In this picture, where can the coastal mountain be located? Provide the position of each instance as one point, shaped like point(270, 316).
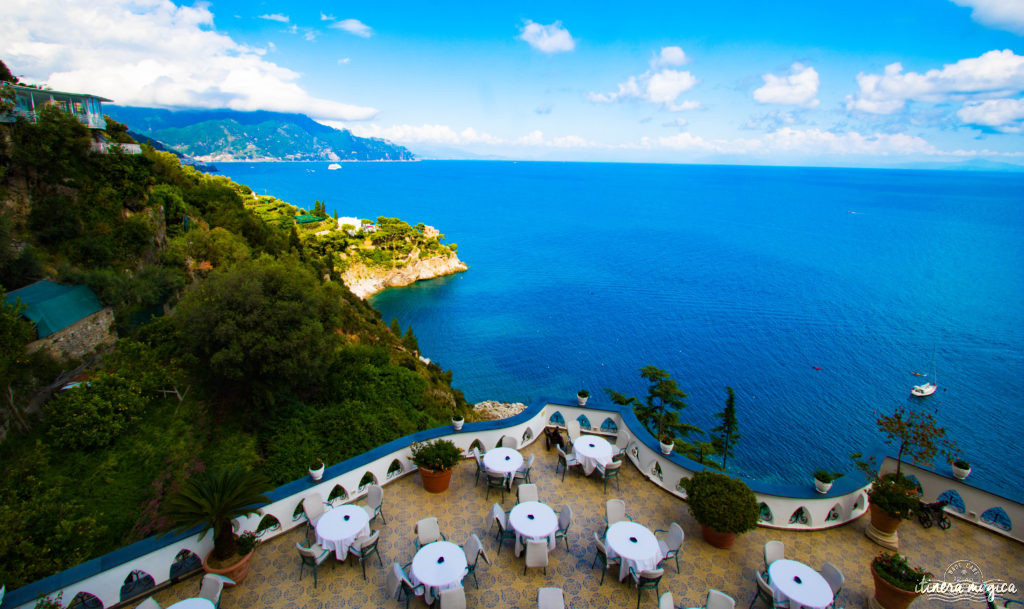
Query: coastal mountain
point(229, 135)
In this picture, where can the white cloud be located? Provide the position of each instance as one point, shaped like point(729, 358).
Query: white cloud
point(354, 26)
point(669, 56)
point(1003, 14)
point(802, 142)
point(1006, 115)
point(151, 53)
point(309, 35)
point(344, 60)
point(662, 87)
point(326, 17)
point(992, 75)
point(276, 17)
point(446, 135)
point(798, 88)
point(548, 39)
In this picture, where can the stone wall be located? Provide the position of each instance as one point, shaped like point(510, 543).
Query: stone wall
point(80, 338)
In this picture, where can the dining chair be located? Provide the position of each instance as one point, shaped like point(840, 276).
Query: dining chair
point(495, 480)
point(666, 601)
point(773, 550)
point(427, 531)
point(499, 517)
point(536, 555)
point(479, 465)
point(210, 588)
point(312, 556)
point(572, 429)
point(364, 547)
point(375, 502)
point(314, 506)
point(528, 492)
point(550, 598)
point(672, 543)
point(564, 522)
point(610, 471)
point(398, 583)
point(149, 603)
point(646, 580)
point(565, 462)
point(602, 553)
point(474, 550)
point(454, 598)
point(765, 593)
point(508, 442)
point(719, 600)
point(615, 511)
point(835, 580)
point(523, 473)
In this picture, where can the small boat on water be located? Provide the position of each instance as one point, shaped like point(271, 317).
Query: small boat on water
point(333, 166)
point(929, 388)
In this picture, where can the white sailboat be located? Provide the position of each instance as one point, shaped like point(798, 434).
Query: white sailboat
point(928, 388)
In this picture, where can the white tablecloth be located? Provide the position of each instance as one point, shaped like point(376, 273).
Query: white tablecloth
point(335, 532)
point(503, 460)
point(796, 582)
point(543, 524)
point(635, 544)
point(438, 576)
point(193, 603)
point(592, 451)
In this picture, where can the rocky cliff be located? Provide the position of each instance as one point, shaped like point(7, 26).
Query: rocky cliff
point(365, 281)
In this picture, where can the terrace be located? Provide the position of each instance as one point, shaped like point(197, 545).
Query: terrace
point(274, 581)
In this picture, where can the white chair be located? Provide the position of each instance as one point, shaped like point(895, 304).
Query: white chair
point(498, 516)
point(398, 583)
point(474, 551)
point(479, 465)
point(312, 557)
point(528, 492)
point(773, 550)
point(550, 598)
point(454, 598)
point(375, 502)
point(615, 511)
point(149, 603)
point(666, 601)
point(763, 591)
point(427, 531)
point(602, 553)
point(523, 473)
point(672, 543)
point(536, 555)
point(566, 461)
point(508, 442)
point(210, 588)
point(564, 522)
point(572, 429)
point(364, 547)
point(645, 580)
point(719, 600)
point(314, 506)
point(835, 580)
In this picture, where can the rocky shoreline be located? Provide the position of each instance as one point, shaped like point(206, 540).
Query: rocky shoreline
point(365, 282)
point(490, 410)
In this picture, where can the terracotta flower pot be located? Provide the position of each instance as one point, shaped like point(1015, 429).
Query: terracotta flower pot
point(889, 596)
point(435, 482)
point(882, 521)
point(717, 538)
point(237, 572)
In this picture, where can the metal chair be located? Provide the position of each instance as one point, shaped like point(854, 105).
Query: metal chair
point(495, 480)
point(835, 580)
point(454, 598)
point(666, 601)
point(375, 503)
point(499, 517)
point(210, 588)
point(427, 531)
point(615, 511)
point(523, 473)
point(550, 598)
point(610, 471)
point(765, 593)
point(566, 461)
point(572, 429)
point(773, 550)
point(719, 600)
point(536, 555)
point(564, 522)
point(312, 556)
point(313, 506)
point(672, 543)
point(479, 465)
point(527, 492)
point(646, 580)
point(602, 553)
point(364, 547)
point(474, 550)
point(398, 583)
point(508, 442)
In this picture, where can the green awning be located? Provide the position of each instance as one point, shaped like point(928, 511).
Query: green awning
point(53, 306)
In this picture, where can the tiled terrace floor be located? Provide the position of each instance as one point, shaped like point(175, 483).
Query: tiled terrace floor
point(274, 580)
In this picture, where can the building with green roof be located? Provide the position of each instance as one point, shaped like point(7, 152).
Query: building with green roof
point(69, 320)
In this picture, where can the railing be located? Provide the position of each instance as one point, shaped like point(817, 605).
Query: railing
point(155, 561)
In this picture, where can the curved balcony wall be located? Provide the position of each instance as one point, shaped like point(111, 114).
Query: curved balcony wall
point(797, 507)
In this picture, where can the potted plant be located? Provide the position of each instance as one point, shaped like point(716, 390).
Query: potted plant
point(961, 469)
point(436, 460)
point(659, 414)
point(457, 422)
point(316, 470)
point(667, 443)
point(823, 480)
point(897, 584)
point(581, 397)
point(723, 506)
point(213, 500)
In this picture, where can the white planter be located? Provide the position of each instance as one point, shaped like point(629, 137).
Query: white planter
point(960, 473)
point(457, 424)
point(317, 474)
point(822, 487)
point(666, 448)
point(580, 400)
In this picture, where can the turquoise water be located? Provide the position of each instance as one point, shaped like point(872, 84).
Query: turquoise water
point(752, 277)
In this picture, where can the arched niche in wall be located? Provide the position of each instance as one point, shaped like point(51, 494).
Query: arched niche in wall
point(137, 582)
point(395, 469)
point(185, 561)
point(955, 501)
point(268, 524)
point(85, 600)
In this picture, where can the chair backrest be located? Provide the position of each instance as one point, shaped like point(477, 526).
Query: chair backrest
point(313, 506)
point(305, 552)
point(561, 453)
point(650, 577)
point(375, 496)
point(498, 514)
point(149, 603)
point(572, 427)
point(454, 598)
point(615, 511)
point(675, 537)
point(612, 467)
point(719, 600)
point(763, 585)
point(528, 492)
point(479, 458)
point(508, 442)
point(773, 550)
point(550, 598)
point(427, 531)
point(565, 517)
point(394, 580)
point(472, 548)
point(211, 588)
point(536, 553)
point(666, 601)
point(529, 463)
point(833, 576)
point(600, 544)
point(367, 542)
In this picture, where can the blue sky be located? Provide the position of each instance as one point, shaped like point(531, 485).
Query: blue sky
point(862, 84)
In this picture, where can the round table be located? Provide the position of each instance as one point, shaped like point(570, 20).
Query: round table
point(635, 544)
point(338, 528)
point(534, 521)
point(503, 460)
point(795, 581)
point(440, 565)
point(193, 603)
point(592, 451)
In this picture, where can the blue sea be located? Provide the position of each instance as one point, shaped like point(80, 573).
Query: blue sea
point(812, 292)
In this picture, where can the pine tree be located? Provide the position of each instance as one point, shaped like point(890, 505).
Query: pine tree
point(410, 342)
point(726, 435)
point(396, 328)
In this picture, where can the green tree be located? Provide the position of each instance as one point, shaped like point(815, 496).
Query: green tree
point(726, 435)
point(916, 435)
point(15, 334)
point(6, 75)
point(660, 412)
point(117, 132)
point(396, 328)
point(95, 414)
point(410, 342)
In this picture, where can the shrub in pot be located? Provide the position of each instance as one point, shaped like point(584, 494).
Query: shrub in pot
point(897, 584)
point(823, 480)
point(581, 397)
point(436, 459)
point(961, 469)
point(213, 499)
point(893, 497)
point(724, 506)
point(458, 422)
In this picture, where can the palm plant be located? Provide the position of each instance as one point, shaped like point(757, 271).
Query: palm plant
point(214, 500)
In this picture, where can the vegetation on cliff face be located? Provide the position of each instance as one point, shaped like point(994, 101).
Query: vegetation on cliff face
point(255, 357)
